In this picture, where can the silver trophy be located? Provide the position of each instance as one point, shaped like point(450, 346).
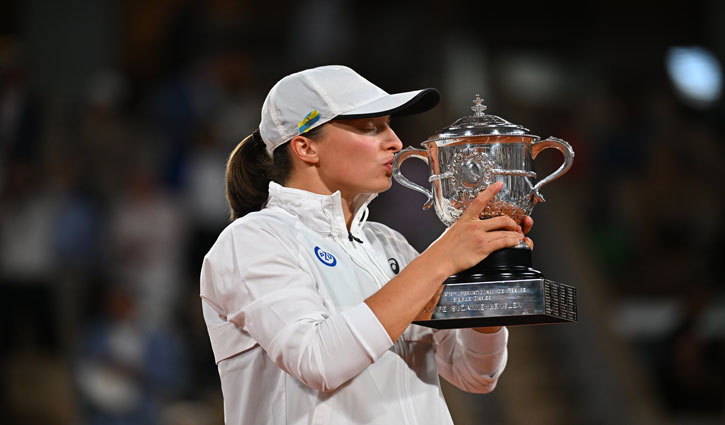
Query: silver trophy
point(464, 159)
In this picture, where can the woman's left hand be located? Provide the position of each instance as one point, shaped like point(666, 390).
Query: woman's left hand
point(527, 223)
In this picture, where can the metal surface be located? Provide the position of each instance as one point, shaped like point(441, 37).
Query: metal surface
point(478, 124)
point(464, 159)
point(474, 152)
point(501, 303)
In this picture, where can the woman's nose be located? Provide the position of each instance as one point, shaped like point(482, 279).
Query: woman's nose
point(392, 142)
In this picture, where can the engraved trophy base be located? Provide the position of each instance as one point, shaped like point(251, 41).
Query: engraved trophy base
point(502, 290)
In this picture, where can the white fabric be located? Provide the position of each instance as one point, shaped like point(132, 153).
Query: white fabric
point(282, 293)
point(330, 91)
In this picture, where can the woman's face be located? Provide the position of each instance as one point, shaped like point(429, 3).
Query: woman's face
point(356, 155)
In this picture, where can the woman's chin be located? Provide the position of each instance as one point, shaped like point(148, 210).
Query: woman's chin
point(385, 186)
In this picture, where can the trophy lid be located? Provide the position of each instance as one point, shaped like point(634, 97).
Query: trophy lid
point(480, 124)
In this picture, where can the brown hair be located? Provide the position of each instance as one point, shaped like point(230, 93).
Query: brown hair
point(250, 169)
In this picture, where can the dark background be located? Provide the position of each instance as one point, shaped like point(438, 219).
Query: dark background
point(116, 119)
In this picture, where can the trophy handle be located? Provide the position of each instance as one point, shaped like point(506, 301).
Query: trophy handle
point(400, 178)
point(561, 146)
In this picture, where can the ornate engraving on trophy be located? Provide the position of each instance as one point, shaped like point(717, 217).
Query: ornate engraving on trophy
point(560, 299)
point(478, 106)
point(479, 307)
point(473, 171)
point(499, 208)
point(464, 159)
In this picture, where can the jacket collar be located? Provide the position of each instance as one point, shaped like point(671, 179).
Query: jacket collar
point(321, 213)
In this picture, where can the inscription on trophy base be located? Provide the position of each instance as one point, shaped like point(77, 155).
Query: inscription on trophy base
point(501, 303)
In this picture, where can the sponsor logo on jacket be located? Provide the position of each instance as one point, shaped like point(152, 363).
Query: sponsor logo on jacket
point(394, 266)
point(325, 257)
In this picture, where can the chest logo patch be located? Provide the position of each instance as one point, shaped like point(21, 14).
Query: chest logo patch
point(325, 257)
point(394, 266)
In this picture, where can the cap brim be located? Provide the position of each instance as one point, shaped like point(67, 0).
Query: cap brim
point(408, 103)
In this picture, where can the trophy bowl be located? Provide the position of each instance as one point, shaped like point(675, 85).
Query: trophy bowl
point(464, 159)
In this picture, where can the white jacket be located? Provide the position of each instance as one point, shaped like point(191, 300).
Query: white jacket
point(282, 293)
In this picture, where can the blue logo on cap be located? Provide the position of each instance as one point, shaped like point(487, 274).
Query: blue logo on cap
point(308, 121)
point(325, 257)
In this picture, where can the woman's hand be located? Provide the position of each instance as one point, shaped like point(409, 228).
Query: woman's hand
point(470, 239)
point(528, 222)
point(463, 245)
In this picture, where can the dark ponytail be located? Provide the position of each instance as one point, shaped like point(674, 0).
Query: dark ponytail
point(250, 169)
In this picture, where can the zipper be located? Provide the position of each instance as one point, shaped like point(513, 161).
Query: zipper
point(355, 260)
point(403, 386)
point(409, 403)
point(383, 275)
point(376, 265)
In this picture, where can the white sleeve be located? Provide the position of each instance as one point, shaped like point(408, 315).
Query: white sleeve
point(470, 360)
point(256, 283)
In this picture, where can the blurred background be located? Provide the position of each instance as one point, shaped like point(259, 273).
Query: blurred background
point(116, 118)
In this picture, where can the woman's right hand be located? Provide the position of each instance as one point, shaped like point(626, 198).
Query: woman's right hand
point(470, 239)
point(463, 245)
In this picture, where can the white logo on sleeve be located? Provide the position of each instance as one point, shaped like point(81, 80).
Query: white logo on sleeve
point(325, 257)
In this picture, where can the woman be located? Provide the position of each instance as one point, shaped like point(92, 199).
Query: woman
point(309, 321)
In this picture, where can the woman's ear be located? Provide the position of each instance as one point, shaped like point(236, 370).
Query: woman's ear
point(304, 149)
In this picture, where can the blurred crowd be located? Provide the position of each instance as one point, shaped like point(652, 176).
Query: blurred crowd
point(112, 184)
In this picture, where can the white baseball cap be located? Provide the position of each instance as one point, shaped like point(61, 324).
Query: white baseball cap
point(307, 99)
